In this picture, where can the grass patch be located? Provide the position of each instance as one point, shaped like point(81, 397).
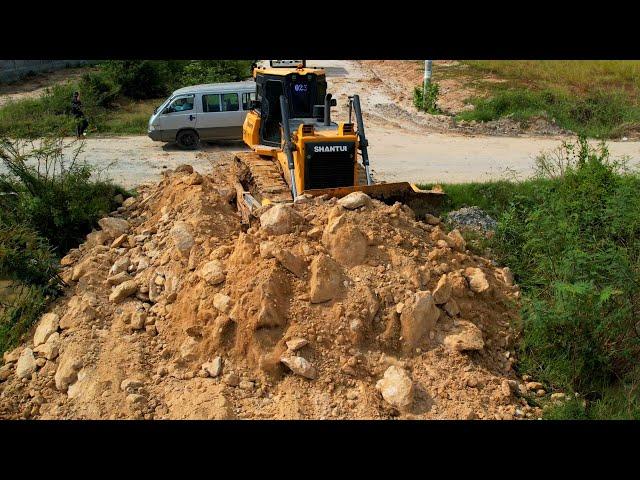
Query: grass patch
point(598, 99)
point(594, 114)
point(571, 236)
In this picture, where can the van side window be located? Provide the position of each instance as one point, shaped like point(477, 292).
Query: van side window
point(181, 104)
point(246, 98)
point(211, 103)
point(230, 102)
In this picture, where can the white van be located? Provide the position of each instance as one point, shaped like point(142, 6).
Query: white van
point(214, 111)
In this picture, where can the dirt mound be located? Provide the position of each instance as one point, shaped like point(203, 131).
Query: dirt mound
point(320, 312)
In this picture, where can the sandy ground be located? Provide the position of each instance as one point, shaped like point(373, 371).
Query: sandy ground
point(404, 145)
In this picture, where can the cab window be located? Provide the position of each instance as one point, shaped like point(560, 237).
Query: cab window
point(211, 103)
point(230, 102)
point(246, 100)
point(181, 104)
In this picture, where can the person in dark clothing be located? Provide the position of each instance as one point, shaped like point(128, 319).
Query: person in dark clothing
point(76, 111)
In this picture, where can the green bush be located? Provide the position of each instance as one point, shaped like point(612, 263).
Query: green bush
point(52, 192)
point(215, 71)
point(427, 101)
point(20, 314)
point(98, 90)
point(140, 79)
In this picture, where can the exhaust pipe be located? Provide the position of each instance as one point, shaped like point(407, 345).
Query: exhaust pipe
point(327, 110)
point(288, 147)
point(363, 139)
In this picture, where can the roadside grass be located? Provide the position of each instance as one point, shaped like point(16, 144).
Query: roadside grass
point(598, 99)
point(571, 235)
point(49, 202)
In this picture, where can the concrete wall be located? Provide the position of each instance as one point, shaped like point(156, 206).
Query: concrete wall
point(11, 70)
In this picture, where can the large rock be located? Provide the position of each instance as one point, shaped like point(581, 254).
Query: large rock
point(442, 292)
point(124, 290)
point(419, 316)
point(213, 368)
point(355, 200)
point(182, 238)
point(26, 364)
point(291, 262)
point(212, 272)
point(460, 243)
point(346, 243)
point(280, 220)
point(326, 278)
point(300, 366)
point(51, 348)
point(465, 337)
point(114, 226)
point(477, 280)
point(396, 388)
point(48, 325)
point(119, 266)
point(222, 302)
point(79, 309)
point(67, 372)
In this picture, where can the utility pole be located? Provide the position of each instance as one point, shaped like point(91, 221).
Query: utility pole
point(427, 78)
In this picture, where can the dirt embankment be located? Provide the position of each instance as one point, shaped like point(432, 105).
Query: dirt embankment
point(323, 309)
point(400, 77)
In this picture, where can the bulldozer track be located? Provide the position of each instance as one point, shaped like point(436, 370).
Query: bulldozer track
point(262, 178)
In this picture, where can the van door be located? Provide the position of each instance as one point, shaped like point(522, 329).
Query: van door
point(221, 117)
point(179, 114)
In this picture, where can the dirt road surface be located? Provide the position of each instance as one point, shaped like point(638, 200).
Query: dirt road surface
point(404, 144)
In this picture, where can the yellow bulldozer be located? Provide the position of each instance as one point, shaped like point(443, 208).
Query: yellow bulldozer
point(297, 149)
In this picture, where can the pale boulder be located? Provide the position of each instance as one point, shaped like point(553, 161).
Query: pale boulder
point(396, 388)
point(280, 219)
point(326, 276)
point(113, 226)
point(355, 200)
point(48, 324)
point(419, 316)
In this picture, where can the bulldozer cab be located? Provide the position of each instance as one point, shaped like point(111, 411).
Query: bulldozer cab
point(304, 88)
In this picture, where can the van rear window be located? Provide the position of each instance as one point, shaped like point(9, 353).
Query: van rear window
point(211, 103)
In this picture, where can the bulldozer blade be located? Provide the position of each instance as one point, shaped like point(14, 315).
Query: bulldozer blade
point(420, 201)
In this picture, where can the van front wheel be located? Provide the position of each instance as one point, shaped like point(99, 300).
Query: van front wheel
point(187, 140)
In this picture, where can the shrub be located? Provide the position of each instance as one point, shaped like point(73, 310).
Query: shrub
point(576, 251)
point(140, 79)
point(52, 192)
point(428, 102)
point(98, 90)
point(214, 71)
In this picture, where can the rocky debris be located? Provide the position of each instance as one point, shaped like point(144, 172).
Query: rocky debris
point(459, 243)
point(67, 372)
point(442, 292)
point(124, 290)
point(280, 220)
point(182, 238)
point(51, 348)
point(26, 364)
point(472, 217)
point(130, 385)
point(326, 278)
point(396, 388)
point(345, 242)
point(291, 262)
point(419, 316)
point(213, 368)
point(354, 200)
point(113, 226)
point(296, 343)
point(477, 280)
point(300, 366)
point(380, 280)
point(48, 324)
point(466, 337)
point(212, 272)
